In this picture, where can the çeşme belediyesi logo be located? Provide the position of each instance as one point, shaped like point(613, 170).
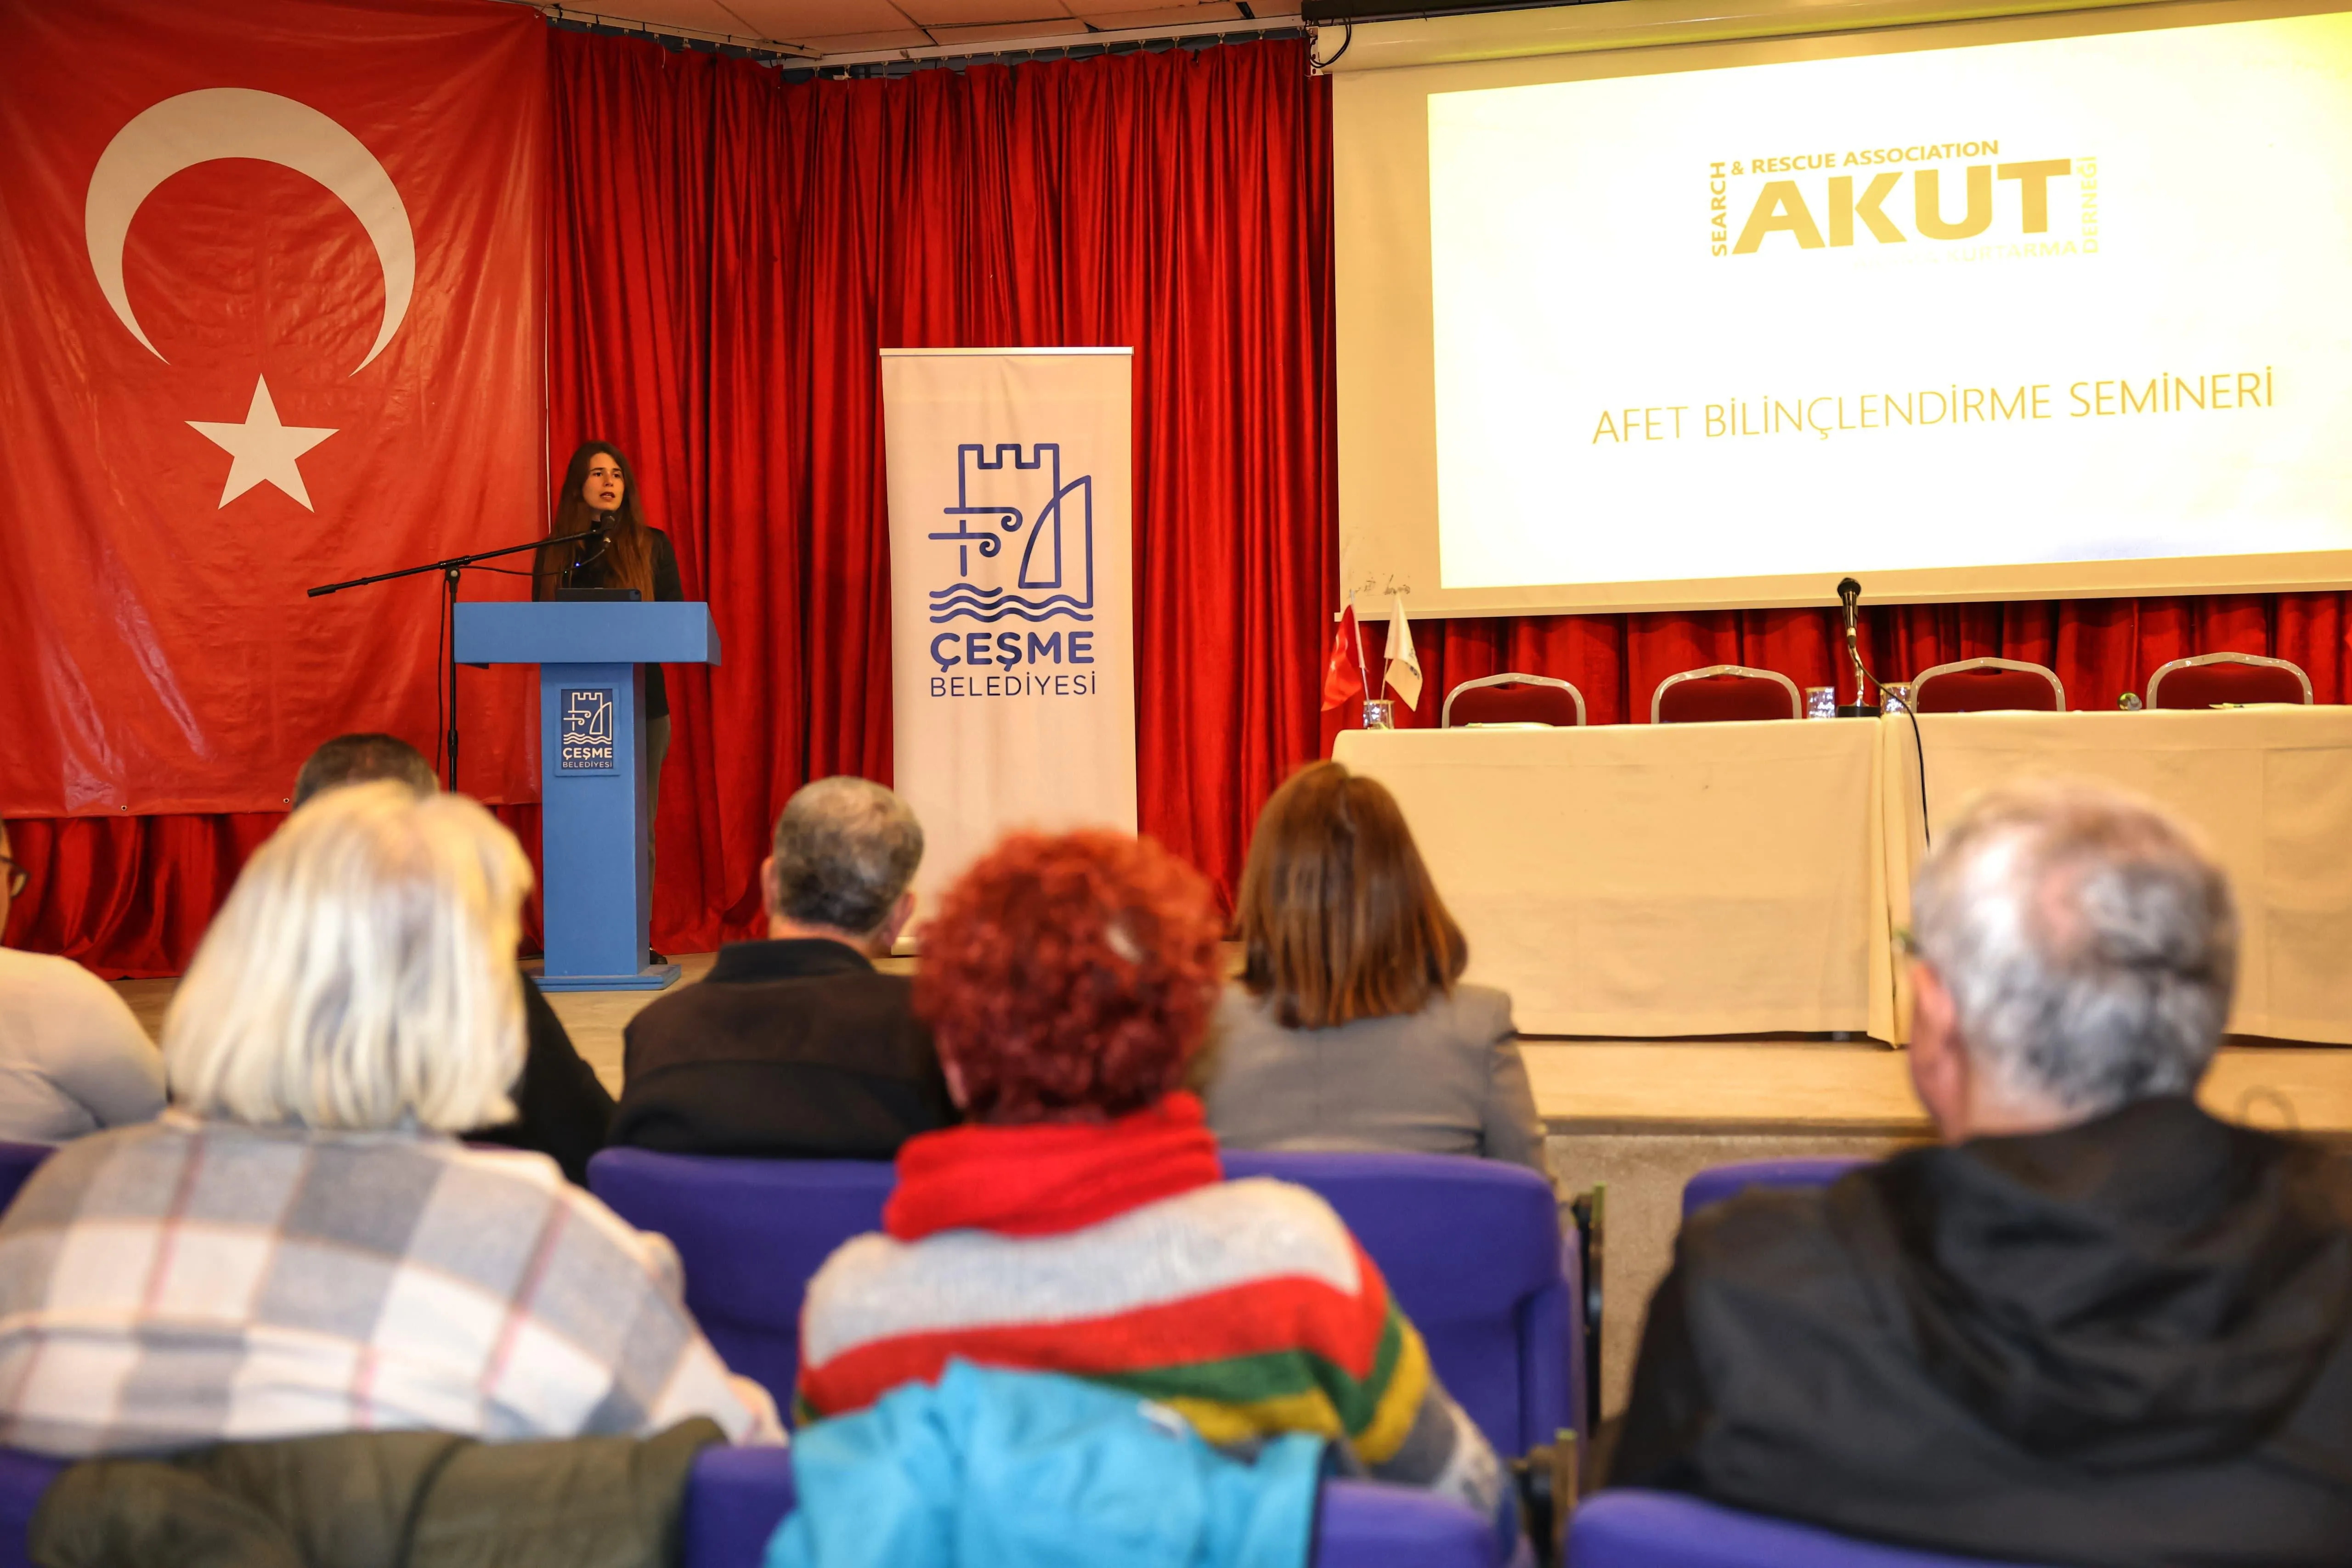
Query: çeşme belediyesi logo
point(1008, 497)
point(586, 742)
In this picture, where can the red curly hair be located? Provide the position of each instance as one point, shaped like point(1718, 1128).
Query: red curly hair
point(1069, 976)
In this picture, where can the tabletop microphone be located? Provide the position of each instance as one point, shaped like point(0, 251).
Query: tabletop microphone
point(1849, 594)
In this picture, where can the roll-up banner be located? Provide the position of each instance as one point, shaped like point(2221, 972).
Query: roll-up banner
point(1012, 623)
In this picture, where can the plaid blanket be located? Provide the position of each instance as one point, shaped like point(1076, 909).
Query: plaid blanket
point(187, 1282)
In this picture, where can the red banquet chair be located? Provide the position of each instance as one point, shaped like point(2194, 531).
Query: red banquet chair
point(1987, 685)
point(2210, 678)
point(1724, 692)
point(1513, 698)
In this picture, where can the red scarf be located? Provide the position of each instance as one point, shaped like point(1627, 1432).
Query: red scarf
point(1046, 1178)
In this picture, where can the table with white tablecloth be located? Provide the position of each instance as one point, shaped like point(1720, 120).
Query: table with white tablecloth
point(1696, 879)
point(1711, 879)
point(2269, 788)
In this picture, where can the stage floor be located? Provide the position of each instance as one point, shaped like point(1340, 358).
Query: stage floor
point(1641, 1117)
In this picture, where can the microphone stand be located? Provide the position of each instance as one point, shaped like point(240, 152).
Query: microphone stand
point(449, 569)
point(1850, 596)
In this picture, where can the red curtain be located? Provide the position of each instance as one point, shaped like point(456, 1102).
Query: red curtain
point(729, 252)
point(2101, 648)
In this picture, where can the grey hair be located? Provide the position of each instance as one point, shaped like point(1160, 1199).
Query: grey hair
point(361, 973)
point(2088, 940)
point(846, 850)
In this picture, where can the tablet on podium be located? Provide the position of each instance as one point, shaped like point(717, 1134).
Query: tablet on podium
point(595, 838)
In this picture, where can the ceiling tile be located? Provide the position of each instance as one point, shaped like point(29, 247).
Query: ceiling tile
point(1055, 27)
point(982, 12)
point(800, 21)
point(1176, 16)
point(860, 43)
point(702, 15)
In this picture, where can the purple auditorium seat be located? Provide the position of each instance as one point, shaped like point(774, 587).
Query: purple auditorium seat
point(1473, 1251)
point(1628, 1527)
point(18, 1163)
point(22, 1479)
point(736, 1497)
point(1367, 1524)
point(734, 1500)
point(1718, 1182)
point(752, 1233)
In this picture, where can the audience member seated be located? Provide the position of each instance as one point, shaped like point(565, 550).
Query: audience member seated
point(1349, 1027)
point(796, 1046)
point(1080, 1223)
point(562, 1109)
point(72, 1059)
point(298, 1245)
point(2096, 1325)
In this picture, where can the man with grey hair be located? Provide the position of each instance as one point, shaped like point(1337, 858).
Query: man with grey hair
point(2094, 1324)
point(797, 1047)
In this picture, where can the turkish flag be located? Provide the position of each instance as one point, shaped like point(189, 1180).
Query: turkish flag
point(272, 317)
point(1343, 672)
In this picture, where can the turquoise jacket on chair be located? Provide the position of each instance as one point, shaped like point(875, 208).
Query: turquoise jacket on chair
point(1015, 1470)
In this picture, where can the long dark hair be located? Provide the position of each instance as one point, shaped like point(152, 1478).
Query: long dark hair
point(627, 560)
point(1339, 918)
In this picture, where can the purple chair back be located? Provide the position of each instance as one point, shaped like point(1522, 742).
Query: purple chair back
point(1473, 1251)
point(1628, 1527)
point(752, 1233)
point(22, 1479)
point(18, 1164)
point(734, 1500)
point(1718, 1182)
point(736, 1497)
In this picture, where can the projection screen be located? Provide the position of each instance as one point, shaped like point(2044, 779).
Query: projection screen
point(2004, 307)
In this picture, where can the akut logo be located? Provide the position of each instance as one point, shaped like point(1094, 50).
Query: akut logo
point(1818, 215)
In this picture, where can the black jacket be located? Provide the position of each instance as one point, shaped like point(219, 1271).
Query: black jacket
point(561, 1108)
point(2125, 1342)
point(791, 1049)
point(669, 587)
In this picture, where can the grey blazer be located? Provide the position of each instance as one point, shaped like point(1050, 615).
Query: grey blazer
point(1445, 1081)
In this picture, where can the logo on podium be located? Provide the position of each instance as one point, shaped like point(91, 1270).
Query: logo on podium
point(1013, 496)
point(584, 737)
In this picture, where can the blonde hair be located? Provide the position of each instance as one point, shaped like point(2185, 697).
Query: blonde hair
point(362, 974)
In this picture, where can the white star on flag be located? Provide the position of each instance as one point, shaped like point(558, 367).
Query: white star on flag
point(1404, 664)
point(264, 449)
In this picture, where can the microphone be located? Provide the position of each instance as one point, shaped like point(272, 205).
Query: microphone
point(1849, 594)
point(588, 551)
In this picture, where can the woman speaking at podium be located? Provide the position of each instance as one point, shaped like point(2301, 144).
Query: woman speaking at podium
point(600, 498)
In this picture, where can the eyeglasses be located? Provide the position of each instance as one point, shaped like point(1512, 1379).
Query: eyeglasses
point(17, 876)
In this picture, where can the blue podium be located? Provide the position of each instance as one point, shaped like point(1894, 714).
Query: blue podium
point(595, 838)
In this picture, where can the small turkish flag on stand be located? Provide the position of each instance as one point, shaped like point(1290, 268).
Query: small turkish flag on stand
point(273, 318)
point(1343, 674)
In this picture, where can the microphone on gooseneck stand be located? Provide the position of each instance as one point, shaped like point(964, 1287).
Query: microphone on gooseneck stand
point(1849, 594)
point(585, 552)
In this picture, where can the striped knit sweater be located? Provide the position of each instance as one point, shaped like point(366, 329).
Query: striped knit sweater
point(1245, 1305)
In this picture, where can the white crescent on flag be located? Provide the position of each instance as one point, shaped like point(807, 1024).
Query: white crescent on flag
point(237, 122)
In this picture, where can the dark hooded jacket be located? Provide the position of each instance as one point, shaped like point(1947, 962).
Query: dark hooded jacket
point(2125, 1343)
